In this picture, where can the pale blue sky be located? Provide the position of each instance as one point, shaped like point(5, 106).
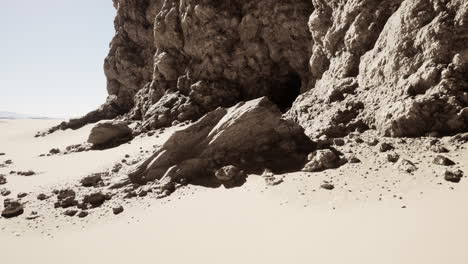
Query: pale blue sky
point(52, 54)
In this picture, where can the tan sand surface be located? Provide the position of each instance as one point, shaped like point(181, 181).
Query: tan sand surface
point(360, 221)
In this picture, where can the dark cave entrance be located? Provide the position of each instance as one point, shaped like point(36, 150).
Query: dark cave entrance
point(285, 91)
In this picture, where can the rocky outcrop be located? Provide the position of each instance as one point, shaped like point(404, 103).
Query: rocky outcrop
point(251, 136)
point(397, 66)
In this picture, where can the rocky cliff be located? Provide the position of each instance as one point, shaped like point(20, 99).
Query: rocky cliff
point(400, 67)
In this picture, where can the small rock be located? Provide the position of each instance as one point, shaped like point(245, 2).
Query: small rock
point(130, 195)
point(92, 180)
point(227, 173)
point(95, 199)
point(353, 159)
point(384, 147)
point(65, 193)
point(339, 142)
point(118, 209)
point(453, 176)
point(373, 142)
point(66, 198)
point(407, 166)
point(117, 167)
point(444, 161)
point(54, 151)
point(22, 195)
point(358, 140)
point(12, 209)
point(70, 212)
point(2, 154)
point(42, 197)
point(393, 157)
point(83, 214)
point(3, 179)
point(439, 149)
point(321, 160)
point(32, 217)
point(142, 193)
point(8, 162)
point(26, 173)
point(5, 192)
point(327, 186)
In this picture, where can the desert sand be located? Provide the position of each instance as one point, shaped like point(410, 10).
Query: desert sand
point(375, 214)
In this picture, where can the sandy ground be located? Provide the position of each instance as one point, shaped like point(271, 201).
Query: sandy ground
point(375, 214)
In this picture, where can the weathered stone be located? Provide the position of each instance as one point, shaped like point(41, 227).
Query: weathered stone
point(118, 209)
point(444, 161)
point(70, 212)
point(354, 159)
point(54, 151)
point(393, 157)
point(109, 132)
point(22, 195)
point(83, 214)
point(95, 199)
point(5, 192)
point(26, 173)
point(248, 131)
point(439, 149)
point(453, 176)
point(3, 179)
point(327, 186)
point(12, 209)
point(92, 180)
point(384, 147)
point(42, 197)
point(228, 173)
point(321, 160)
point(407, 166)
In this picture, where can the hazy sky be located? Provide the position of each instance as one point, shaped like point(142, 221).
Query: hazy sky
point(52, 54)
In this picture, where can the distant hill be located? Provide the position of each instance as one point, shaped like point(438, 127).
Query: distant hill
point(13, 115)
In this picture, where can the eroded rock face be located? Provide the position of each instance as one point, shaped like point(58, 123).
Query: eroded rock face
point(251, 136)
point(398, 66)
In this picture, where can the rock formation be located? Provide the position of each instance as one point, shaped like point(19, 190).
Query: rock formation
point(251, 136)
point(398, 66)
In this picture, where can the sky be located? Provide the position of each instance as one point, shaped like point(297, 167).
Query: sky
point(52, 54)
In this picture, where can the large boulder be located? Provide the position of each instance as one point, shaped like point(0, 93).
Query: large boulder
point(109, 132)
point(251, 136)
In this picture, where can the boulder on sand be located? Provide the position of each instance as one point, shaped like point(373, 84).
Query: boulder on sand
point(250, 135)
point(110, 132)
point(12, 209)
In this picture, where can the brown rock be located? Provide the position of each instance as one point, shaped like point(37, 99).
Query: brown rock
point(384, 147)
point(95, 199)
point(117, 210)
point(453, 176)
point(109, 132)
point(93, 180)
point(407, 166)
point(321, 160)
point(393, 157)
point(327, 186)
point(444, 161)
point(12, 209)
point(228, 173)
point(3, 179)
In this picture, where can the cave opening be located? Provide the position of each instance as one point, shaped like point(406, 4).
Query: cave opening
point(285, 91)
